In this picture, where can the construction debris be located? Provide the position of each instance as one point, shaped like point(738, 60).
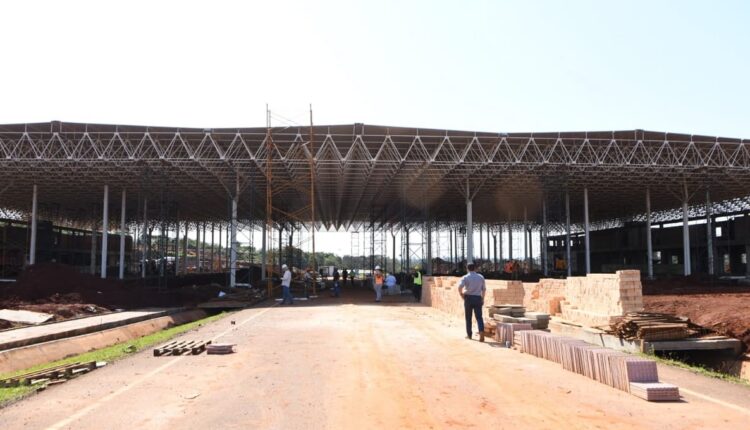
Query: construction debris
point(24, 317)
point(54, 375)
point(220, 348)
point(616, 369)
point(182, 347)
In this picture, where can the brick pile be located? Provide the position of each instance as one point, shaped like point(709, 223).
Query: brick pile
point(594, 300)
point(545, 295)
point(441, 292)
point(598, 299)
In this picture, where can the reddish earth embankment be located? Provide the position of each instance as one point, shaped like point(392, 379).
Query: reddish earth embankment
point(723, 308)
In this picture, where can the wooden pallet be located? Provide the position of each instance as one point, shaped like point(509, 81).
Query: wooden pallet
point(53, 374)
point(181, 347)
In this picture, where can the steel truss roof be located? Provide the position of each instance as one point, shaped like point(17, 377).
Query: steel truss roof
point(364, 173)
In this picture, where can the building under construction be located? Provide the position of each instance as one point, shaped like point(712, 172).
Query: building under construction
point(570, 202)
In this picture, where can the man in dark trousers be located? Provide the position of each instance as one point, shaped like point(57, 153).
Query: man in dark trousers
point(336, 285)
point(344, 274)
point(472, 290)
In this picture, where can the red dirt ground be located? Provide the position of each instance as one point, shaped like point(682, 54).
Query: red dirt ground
point(723, 308)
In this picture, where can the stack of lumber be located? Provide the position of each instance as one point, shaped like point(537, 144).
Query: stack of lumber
point(505, 331)
point(651, 327)
point(613, 368)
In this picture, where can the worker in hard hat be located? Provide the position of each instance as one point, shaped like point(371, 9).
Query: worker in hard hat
point(417, 284)
point(286, 283)
point(377, 283)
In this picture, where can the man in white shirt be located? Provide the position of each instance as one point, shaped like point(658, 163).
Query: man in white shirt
point(286, 282)
point(472, 290)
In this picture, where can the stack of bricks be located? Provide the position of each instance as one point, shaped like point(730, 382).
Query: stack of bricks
point(544, 296)
point(598, 299)
point(594, 300)
point(441, 292)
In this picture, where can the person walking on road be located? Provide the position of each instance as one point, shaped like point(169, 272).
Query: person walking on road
point(472, 290)
point(286, 283)
point(377, 283)
point(336, 286)
point(344, 274)
point(308, 278)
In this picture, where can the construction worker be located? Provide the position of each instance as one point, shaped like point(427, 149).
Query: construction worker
point(377, 282)
point(286, 283)
point(308, 278)
point(417, 288)
point(472, 290)
point(336, 285)
point(344, 274)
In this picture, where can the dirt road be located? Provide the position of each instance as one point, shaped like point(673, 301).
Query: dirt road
point(351, 364)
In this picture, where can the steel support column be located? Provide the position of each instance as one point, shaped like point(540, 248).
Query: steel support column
point(145, 235)
point(213, 247)
point(32, 245)
point(586, 229)
point(567, 233)
point(92, 255)
point(710, 235)
point(469, 230)
point(263, 253)
point(428, 263)
point(510, 238)
point(233, 239)
point(500, 246)
point(122, 236)
point(685, 233)
point(526, 253)
point(649, 244)
point(543, 234)
point(185, 248)
point(105, 227)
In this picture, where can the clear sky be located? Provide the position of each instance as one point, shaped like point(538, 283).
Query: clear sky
point(678, 66)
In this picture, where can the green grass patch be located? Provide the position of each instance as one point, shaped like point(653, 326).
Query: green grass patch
point(108, 354)
point(698, 369)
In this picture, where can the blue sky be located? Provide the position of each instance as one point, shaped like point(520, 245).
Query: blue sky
point(677, 66)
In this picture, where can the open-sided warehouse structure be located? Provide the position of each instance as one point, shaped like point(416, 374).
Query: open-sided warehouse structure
point(435, 184)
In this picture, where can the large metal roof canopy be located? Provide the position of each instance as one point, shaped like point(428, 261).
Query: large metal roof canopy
point(364, 173)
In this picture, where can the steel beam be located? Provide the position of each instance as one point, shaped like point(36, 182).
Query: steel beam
point(122, 237)
point(32, 245)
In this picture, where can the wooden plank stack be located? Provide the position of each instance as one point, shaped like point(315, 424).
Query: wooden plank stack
point(652, 327)
point(614, 368)
point(180, 347)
